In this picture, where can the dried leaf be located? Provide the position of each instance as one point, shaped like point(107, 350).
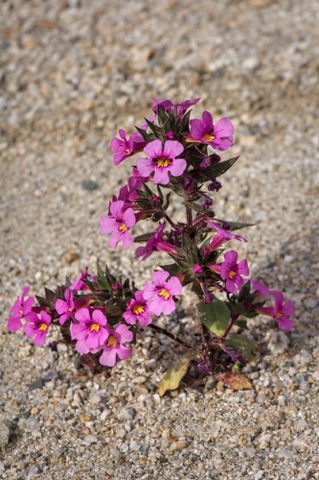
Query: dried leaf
point(175, 374)
point(235, 381)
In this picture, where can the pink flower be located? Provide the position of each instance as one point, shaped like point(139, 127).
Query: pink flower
point(222, 236)
point(137, 310)
point(197, 269)
point(79, 284)
point(232, 272)
point(90, 332)
point(36, 327)
point(219, 136)
point(281, 311)
point(162, 160)
point(260, 290)
point(124, 148)
point(114, 345)
point(128, 193)
point(65, 308)
point(21, 307)
point(161, 293)
point(168, 106)
point(118, 223)
point(155, 244)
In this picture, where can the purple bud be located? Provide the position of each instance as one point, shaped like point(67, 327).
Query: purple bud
point(204, 366)
point(215, 157)
point(208, 297)
point(197, 269)
point(214, 186)
point(207, 202)
point(170, 135)
point(205, 163)
point(190, 184)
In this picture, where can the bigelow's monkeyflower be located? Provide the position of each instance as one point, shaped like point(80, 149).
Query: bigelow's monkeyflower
point(161, 293)
point(162, 160)
point(171, 191)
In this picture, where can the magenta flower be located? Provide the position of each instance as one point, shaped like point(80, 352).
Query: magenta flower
point(197, 269)
point(161, 293)
point(222, 236)
point(260, 290)
point(155, 244)
point(37, 328)
point(168, 106)
point(114, 348)
point(79, 284)
point(21, 307)
point(219, 136)
point(90, 332)
point(65, 308)
point(125, 147)
point(128, 193)
point(232, 272)
point(282, 311)
point(137, 310)
point(122, 148)
point(162, 160)
point(118, 223)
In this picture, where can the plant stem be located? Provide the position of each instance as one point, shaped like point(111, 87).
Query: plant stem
point(172, 224)
point(189, 217)
point(171, 335)
point(230, 326)
point(206, 334)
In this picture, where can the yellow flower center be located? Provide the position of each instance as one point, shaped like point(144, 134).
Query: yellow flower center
point(164, 293)
point(123, 228)
point(231, 274)
point(43, 327)
point(112, 342)
point(127, 150)
point(96, 327)
point(278, 315)
point(137, 309)
point(21, 312)
point(208, 138)
point(69, 309)
point(163, 162)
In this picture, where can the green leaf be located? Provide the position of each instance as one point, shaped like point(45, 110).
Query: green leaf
point(41, 301)
point(146, 136)
point(51, 297)
point(242, 324)
point(103, 282)
point(92, 286)
point(242, 345)
point(172, 268)
point(162, 116)
point(214, 315)
point(174, 375)
point(221, 167)
point(238, 225)
point(244, 292)
point(144, 237)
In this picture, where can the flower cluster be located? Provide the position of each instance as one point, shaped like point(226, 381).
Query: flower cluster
point(96, 325)
point(100, 315)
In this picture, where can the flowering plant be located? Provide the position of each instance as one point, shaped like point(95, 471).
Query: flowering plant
point(100, 315)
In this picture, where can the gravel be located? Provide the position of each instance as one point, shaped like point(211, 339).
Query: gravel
point(72, 73)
